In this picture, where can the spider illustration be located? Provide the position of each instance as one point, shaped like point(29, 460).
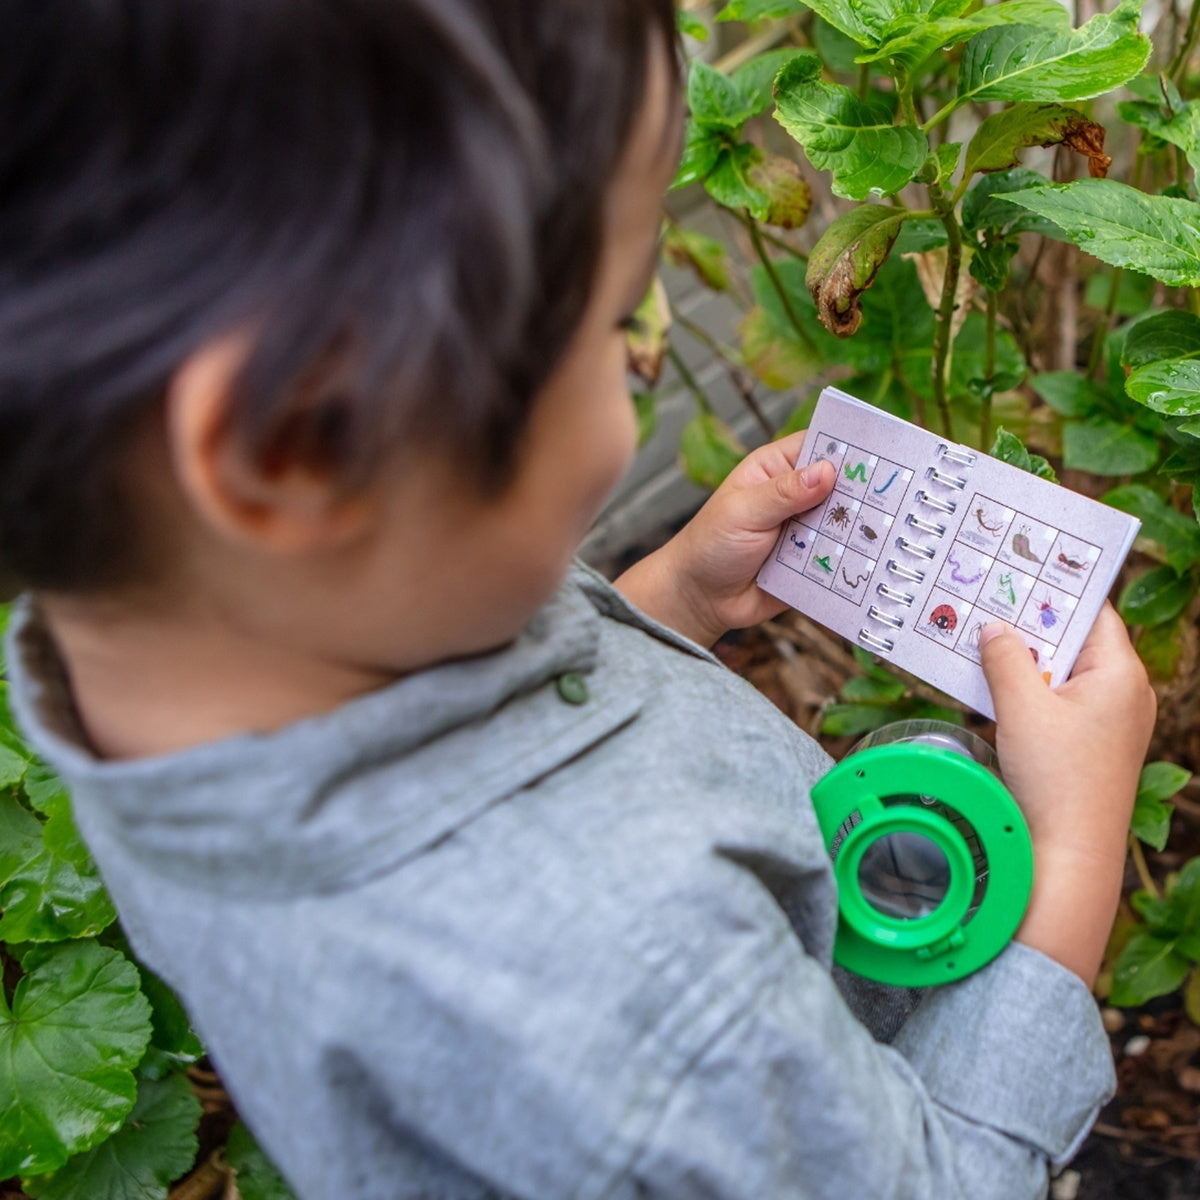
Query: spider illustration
point(838, 515)
point(1047, 613)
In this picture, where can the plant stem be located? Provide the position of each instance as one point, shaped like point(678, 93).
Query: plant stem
point(989, 372)
point(778, 242)
point(760, 249)
point(689, 380)
point(943, 332)
point(735, 369)
point(864, 80)
point(941, 114)
point(1139, 861)
point(1179, 64)
point(1101, 335)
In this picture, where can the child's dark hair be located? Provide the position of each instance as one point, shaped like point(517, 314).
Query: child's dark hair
point(404, 195)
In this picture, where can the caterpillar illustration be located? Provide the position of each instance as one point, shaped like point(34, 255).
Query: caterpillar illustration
point(956, 567)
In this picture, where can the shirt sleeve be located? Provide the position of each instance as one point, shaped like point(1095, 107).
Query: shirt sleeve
point(988, 1083)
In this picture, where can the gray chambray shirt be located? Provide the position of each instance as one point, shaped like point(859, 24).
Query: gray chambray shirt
point(556, 922)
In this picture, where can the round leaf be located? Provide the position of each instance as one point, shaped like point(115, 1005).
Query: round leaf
point(1149, 966)
point(156, 1144)
point(1171, 387)
point(709, 450)
point(78, 1026)
point(257, 1176)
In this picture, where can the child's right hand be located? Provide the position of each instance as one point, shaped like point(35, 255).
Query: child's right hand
point(1072, 757)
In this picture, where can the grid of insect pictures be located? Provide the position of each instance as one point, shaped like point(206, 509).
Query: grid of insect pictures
point(838, 544)
point(1004, 564)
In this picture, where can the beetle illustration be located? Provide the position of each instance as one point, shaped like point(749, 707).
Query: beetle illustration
point(867, 531)
point(838, 515)
point(1047, 613)
point(944, 617)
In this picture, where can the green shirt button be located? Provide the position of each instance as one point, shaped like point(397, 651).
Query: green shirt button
point(572, 687)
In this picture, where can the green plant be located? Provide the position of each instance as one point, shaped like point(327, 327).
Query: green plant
point(931, 196)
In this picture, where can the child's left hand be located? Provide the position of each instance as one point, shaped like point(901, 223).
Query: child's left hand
point(701, 582)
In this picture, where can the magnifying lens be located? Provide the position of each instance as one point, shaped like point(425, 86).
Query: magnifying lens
point(932, 856)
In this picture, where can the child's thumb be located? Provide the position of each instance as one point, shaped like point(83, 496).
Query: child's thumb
point(1010, 669)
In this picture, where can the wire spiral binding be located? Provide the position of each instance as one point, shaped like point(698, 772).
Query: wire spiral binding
point(961, 457)
point(891, 593)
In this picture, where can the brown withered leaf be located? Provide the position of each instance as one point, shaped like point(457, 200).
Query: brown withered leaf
point(1087, 138)
point(844, 262)
point(789, 196)
point(647, 339)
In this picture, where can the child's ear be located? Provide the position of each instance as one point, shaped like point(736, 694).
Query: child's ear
point(285, 507)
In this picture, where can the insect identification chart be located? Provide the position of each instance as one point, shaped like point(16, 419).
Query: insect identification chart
point(923, 542)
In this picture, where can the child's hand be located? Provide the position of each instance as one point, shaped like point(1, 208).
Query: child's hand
point(1072, 757)
point(702, 581)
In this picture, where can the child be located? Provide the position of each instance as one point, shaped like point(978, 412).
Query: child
point(478, 877)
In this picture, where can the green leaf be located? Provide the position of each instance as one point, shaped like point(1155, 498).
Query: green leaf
point(704, 255)
point(756, 78)
point(1134, 294)
point(715, 100)
point(774, 353)
point(730, 183)
point(701, 149)
point(1157, 235)
point(1161, 647)
point(156, 1145)
point(913, 46)
point(862, 689)
point(838, 52)
point(1177, 535)
point(1001, 137)
point(1010, 449)
point(1157, 596)
point(1149, 966)
point(1151, 821)
point(46, 896)
point(690, 26)
point(985, 206)
point(850, 720)
point(1107, 447)
point(77, 1027)
point(709, 450)
point(1183, 901)
point(867, 153)
point(1169, 334)
point(1158, 782)
point(756, 10)
point(1171, 386)
point(1026, 62)
point(1069, 393)
point(1181, 128)
point(257, 1177)
point(845, 260)
point(646, 410)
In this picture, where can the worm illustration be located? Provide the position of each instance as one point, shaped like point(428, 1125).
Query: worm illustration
point(956, 567)
point(855, 582)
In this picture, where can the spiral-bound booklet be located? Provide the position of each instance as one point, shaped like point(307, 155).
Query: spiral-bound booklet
point(923, 542)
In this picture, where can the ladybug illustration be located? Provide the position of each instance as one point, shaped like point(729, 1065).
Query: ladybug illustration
point(944, 617)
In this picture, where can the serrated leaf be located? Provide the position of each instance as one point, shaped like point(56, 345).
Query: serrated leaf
point(845, 260)
point(701, 149)
point(730, 182)
point(985, 205)
point(78, 1026)
point(1028, 62)
point(866, 153)
point(1171, 386)
point(910, 48)
point(756, 78)
point(1107, 447)
point(1169, 334)
point(998, 141)
point(46, 897)
point(1010, 449)
point(1178, 537)
point(1157, 596)
point(257, 1176)
point(1157, 235)
point(1149, 966)
point(1180, 128)
point(156, 1145)
point(709, 450)
point(715, 100)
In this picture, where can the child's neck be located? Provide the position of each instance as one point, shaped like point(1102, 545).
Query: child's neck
point(157, 686)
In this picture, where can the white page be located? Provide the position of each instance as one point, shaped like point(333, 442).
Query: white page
point(923, 542)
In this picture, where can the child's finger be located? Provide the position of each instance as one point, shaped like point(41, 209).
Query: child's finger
point(1012, 676)
point(768, 504)
point(1106, 644)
